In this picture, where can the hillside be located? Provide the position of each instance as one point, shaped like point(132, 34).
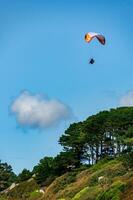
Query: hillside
point(96, 163)
point(106, 180)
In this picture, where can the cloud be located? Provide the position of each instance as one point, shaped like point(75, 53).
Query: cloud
point(127, 99)
point(39, 111)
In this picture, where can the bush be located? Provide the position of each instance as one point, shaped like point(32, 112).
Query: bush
point(35, 195)
point(3, 198)
point(87, 193)
point(68, 178)
point(114, 192)
point(23, 190)
point(128, 160)
point(81, 193)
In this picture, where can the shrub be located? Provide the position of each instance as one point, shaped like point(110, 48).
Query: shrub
point(113, 193)
point(23, 190)
point(35, 195)
point(128, 160)
point(87, 193)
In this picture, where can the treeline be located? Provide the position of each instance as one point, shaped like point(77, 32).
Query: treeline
point(107, 134)
point(7, 176)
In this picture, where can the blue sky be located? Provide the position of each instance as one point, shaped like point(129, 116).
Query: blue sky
point(42, 51)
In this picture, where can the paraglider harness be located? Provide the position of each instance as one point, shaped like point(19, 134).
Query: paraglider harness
point(91, 61)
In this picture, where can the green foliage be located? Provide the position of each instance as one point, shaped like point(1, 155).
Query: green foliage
point(81, 185)
point(24, 175)
point(87, 193)
point(49, 168)
point(113, 193)
point(128, 160)
point(43, 170)
point(3, 198)
point(103, 163)
point(7, 177)
point(80, 194)
point(104, 140)
point(73, 140)
point(35, 195)
point(63, 162)
point(23, 190)
point(61, 199)
point(66, 180)
point(101, 137)
point(106, 134)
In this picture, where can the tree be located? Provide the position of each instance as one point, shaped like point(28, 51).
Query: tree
point(7, 176)
point(95, 130)
point(64, 162)
point(121, 123)
point(73, 140)
point(108, 133)
point(24, 175)
point(43, 170)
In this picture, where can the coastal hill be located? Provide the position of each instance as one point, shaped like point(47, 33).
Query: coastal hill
point(96, 163)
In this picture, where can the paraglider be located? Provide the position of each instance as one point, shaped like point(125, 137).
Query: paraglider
point(90, 36)
point(91, 61)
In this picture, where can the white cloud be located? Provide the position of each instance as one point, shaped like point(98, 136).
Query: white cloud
point(38, 111)
point(127, 99)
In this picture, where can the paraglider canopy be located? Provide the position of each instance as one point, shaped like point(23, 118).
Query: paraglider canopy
point(89, 36)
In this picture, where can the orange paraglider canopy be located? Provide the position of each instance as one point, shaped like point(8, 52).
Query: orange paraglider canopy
point(89, 36)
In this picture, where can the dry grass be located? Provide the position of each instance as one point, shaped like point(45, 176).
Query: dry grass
point(86, 183)
point(58, 190)
point(128, 194)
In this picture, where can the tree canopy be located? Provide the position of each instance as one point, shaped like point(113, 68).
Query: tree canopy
point(7, 176)
point(107, 134)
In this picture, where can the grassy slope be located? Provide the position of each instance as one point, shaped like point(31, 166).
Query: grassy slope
point(116, 184)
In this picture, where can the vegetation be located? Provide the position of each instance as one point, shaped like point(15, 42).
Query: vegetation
point(24, 175)
point(23, 190)
point(100, 146)
point(7, 177)
point(115, 181)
